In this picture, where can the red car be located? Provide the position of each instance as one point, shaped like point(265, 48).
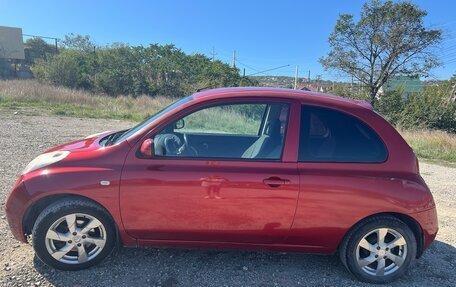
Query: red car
point(263, 168)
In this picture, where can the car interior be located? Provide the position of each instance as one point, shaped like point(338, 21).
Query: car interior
point(265, 143)
point(332, 136)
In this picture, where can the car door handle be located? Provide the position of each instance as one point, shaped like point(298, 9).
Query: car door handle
point(275, 181)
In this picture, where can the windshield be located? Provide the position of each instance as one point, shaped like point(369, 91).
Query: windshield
point(139, 126)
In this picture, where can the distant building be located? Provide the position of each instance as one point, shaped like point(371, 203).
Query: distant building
point(407, 85)
point(321, 88)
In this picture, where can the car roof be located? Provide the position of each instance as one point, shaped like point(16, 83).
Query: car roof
point(304, 96)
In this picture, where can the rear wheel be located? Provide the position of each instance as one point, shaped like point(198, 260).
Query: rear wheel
point(380, 250)
point(73, 234)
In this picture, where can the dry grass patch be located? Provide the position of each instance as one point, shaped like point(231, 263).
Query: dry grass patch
point(428, 144)
point(64, 101)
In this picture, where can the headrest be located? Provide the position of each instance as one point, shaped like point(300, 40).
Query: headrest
point(274, 128)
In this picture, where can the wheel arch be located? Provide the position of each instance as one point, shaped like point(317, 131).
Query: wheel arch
point(34, 209)
point(408, 220)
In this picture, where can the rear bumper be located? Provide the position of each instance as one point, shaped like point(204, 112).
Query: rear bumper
point(14, 209)
point(429, 225)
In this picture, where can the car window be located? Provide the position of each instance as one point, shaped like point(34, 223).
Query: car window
point(329, 135)
point(248, 131)
point(242, 119)
point(126, 134)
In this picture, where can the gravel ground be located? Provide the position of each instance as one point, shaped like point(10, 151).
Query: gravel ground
point(25, 133)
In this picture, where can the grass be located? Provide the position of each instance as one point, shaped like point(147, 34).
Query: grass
point(226, 119)
point(431, 145)
point(69, 102)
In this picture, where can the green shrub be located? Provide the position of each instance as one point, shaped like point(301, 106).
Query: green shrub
point(391, 105)
point(121, 69)
point(430, 109)
point(69, 68)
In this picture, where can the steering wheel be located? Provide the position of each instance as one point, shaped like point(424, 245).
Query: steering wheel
point(186, 149)
point(172, 144)
point(177, 145)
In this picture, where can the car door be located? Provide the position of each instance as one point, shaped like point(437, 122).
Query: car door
point(337, 161)
point(218, 196)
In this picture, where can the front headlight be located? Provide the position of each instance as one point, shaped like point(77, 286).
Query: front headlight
point(45, 159)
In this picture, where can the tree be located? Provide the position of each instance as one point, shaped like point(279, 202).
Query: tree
point(389, 39)
point(78, 42)
point(342, 90)
point(37, 48)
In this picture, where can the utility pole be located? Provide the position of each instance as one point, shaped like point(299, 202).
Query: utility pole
point(351, 85)
point(308, 80)
point(296, 78)
point(213, 54)
point(234, 58)
point(243, 74)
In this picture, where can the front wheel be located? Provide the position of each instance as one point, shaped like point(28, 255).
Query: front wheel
point(73, 234)
point(380, 250)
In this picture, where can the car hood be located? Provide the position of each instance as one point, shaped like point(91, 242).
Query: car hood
point(89, 143)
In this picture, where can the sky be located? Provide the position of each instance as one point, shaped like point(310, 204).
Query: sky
point(265, 34)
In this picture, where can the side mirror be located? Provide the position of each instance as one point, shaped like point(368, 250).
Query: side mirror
point(147, 148)
point(179, 124)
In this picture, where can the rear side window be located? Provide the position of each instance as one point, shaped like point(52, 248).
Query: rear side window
point(329, 135)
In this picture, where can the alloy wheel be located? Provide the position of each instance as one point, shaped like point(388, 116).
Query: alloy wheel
point(381, 252)
point(75, 238)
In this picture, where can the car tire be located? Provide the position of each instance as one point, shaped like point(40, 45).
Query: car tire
point(379, 261)
point(87, 240)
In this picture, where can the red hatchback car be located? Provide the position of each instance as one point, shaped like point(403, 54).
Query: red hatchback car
point(265, 168)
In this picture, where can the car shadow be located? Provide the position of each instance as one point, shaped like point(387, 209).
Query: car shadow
point(196, 267)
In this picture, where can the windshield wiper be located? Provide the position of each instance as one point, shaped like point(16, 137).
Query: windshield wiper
point(111, 139)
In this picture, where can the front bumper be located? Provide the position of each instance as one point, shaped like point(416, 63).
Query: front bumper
point(14, 209)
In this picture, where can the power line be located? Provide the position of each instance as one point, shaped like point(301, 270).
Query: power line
point(448, 49)
point(256, 70)
point(248, 66)
point(45, 37)
point(442, 25)
point(448, 57)
point(451, 47)
point(269, 70)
